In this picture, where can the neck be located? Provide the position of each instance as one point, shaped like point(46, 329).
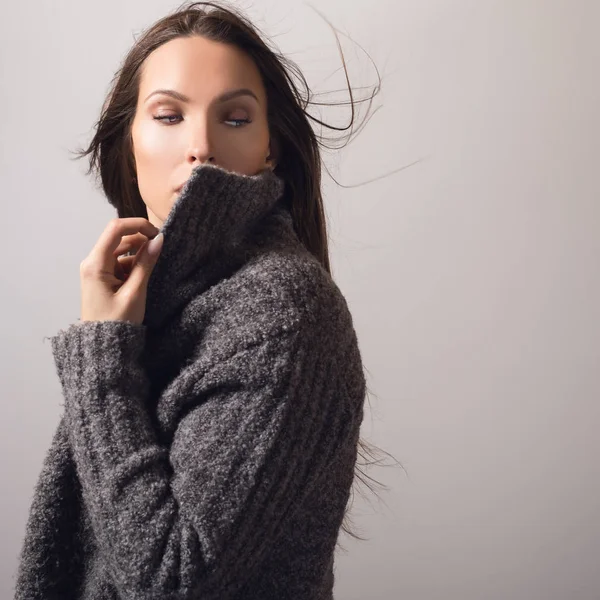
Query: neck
point(209, 231)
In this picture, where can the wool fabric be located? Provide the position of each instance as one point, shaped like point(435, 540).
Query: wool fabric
point(208, 452)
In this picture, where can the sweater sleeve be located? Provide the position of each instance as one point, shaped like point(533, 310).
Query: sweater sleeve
point(257, 430)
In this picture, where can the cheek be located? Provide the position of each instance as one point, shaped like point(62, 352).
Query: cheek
point(155, 155)
point(251, 147)
point(151, 142)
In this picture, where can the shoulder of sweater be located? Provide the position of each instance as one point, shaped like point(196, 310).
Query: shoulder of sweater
point(279, 292)
point(279, 297)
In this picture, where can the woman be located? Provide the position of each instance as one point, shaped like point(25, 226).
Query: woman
point(213, 385)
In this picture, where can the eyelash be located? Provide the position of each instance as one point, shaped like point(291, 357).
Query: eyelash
point(171, 116)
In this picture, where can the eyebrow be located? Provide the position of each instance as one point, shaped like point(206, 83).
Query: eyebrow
point(222, 98)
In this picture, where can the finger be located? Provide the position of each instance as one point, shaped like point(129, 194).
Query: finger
point(102, 256)
point(123, 266)
point(143, 266)
point(125, 263)
point(131, 242)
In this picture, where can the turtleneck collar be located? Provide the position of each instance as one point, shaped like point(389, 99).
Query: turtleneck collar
point(205, 232)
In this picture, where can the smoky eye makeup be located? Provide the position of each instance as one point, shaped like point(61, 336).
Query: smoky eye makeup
point(235, 112)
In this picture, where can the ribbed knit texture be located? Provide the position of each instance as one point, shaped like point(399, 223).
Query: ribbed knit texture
point(209, 452)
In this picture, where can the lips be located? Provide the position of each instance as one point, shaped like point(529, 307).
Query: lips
point(181, 186)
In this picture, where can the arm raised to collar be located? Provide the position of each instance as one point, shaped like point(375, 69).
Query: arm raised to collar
point(260, 428)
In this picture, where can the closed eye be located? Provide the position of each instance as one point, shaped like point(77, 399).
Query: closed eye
point(239, 122)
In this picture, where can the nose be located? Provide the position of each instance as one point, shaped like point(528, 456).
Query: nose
point(200, 148)
point(197, 157)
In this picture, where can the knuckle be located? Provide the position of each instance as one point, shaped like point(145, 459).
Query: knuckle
point(127, 295)
point(87, 268)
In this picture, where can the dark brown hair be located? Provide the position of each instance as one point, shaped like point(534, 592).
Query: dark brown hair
point(294, 144)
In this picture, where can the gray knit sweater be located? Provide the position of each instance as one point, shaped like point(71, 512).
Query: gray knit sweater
point(209, 452)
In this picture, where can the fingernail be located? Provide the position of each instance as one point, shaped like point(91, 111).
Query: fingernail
point(155, 244)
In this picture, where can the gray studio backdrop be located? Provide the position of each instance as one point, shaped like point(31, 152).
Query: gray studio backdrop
point(472, 275)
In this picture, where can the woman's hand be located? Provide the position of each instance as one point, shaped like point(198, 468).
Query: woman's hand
point(113, 287)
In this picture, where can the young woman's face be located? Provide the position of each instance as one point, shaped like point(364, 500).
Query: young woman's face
point(171, 135)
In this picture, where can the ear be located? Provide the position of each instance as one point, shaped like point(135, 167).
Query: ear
point(271, 161)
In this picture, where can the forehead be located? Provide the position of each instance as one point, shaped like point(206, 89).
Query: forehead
point(199, 68)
